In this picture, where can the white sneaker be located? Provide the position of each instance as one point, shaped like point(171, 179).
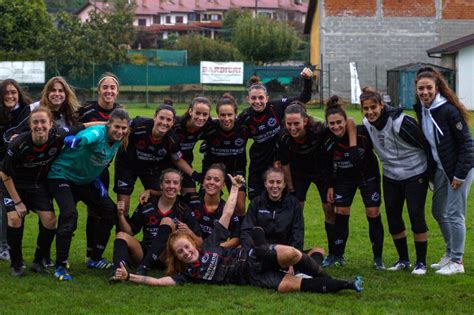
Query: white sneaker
point(420, 269)
point(451, 268)
point(441, 263)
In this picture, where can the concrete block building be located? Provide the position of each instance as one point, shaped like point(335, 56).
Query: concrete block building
point(380, 35)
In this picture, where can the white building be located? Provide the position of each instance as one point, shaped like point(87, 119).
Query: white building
point(459, 55)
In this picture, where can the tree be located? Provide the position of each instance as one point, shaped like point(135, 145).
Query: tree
point(23, 26)
point(203, 48)
point(70, 6)
point(262, 40)
point(101, 41)
point(229, 21)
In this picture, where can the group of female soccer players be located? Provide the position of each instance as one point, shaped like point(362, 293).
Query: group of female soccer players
point(58, 149)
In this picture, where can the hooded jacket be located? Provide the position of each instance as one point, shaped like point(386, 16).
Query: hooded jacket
point(452, 147)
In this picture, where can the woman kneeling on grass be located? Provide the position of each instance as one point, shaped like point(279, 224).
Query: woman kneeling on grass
point(259, 266)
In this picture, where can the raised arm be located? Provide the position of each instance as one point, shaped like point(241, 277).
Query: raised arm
point(229, 207)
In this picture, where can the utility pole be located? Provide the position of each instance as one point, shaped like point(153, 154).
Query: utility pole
point(256, 8)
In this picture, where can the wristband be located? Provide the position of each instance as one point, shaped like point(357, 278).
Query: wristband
point(17, 203)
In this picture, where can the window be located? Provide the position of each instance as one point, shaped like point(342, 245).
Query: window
point(156, 19)
point(192, 17)
point(168, 19)
point(216, 17)
point(179, 20)
point(141, 22)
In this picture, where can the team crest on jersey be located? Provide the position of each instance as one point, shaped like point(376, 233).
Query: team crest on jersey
point(162, 152)
point(205, 258)
point(53, 151)
point(272, 122)
point(459, 126)
point(140, 145)
point(10, 152)
point(239, 142)
point(153, 220)
point(375, 197)
point(8, 202)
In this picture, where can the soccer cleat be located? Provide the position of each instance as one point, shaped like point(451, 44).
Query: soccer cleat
point(98, 264)
point(4, 254)
point(340, 262)
point(451, 268)
point(420, 269)
point(441, 263)
point(38, 267)
point(378, 264)
point(358, 284)
point(400, 265)
point(328, 261)
point(142, 270)
point(47, 263)
point(17, 271)
point(62, 274)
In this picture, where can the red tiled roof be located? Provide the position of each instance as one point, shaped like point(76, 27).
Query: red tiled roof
point(153, 7)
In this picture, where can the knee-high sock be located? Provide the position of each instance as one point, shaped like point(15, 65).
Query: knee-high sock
point(376, 235)
point(309, 266)
point(421, 248)
point(341, 234)
point(325, 285)
point(43, 243)
point(90, 234)
point(158, 246)
point(402, 248)
point(330, 233)
point(102, 234)
point(14, 239)
point(120, 253)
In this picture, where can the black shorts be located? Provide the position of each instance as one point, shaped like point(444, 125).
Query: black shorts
point(301, 182)
point(125, 179)
point(259, 276)
point(344, 192)
point(35, 197)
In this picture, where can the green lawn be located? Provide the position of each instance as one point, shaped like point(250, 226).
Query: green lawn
point(384, 292)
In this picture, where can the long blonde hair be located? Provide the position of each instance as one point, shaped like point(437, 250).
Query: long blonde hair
point(71, 105)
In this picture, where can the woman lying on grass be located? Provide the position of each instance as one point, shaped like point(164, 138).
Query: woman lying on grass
point(259, 266)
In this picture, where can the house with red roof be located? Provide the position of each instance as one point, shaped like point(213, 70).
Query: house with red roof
point(179, 17)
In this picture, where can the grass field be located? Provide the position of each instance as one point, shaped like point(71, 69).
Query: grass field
point(385, 292)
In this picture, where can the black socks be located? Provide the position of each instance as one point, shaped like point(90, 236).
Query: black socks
point(376, 235)
point(341, 233)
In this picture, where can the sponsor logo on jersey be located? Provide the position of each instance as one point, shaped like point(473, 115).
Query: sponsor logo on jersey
point(8, 202)
point(239, 142)
point(121, 183)
point(53, 151)
point(264, 211)
point(272, 122)
point(206, 218)
point(63, 185)
point(205, 258)
point(459, 126)
point(66, 129)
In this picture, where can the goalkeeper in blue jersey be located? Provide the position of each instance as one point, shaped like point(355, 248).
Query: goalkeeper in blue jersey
point(74, 176)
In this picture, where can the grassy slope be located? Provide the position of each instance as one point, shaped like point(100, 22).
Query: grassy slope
point(385, 292)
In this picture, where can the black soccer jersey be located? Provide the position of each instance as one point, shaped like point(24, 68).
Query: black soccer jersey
point(217, 264)
point(337, 152)
point(188, 139)
point(29, 163)
point(207, 220)
point(148, 218)
point(143, 152)
point(264, 127)
point(227, 147)
point(303, 154)
point(94, 112)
